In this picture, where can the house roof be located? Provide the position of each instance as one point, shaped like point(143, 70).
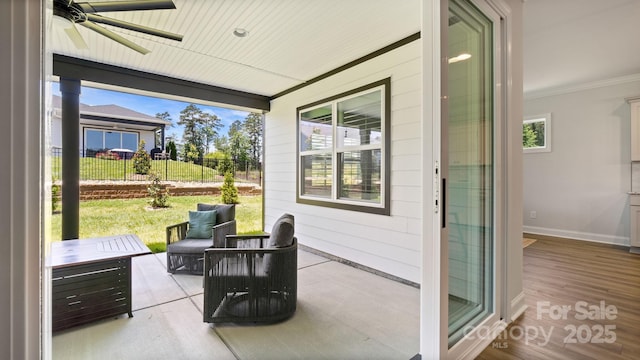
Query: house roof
point(111, 111)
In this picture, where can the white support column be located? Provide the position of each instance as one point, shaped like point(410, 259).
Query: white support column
point(21, 64)
point(514, 293)
point(433, 320)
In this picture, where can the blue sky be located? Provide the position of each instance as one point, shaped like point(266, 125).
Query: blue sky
point(152, 105)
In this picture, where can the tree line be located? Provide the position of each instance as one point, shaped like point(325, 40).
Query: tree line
point(242, 145)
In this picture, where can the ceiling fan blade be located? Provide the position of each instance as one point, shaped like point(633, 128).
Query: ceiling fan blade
point(115, 37)
point(135, 27)
point(76, 38)
point(106, 6)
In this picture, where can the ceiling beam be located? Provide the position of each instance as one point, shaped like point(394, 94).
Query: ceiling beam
point(74, 68)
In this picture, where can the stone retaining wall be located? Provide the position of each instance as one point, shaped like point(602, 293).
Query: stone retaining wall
point(139, 190)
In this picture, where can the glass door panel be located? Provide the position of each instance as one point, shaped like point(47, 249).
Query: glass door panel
point(112, 140)
point(130, 141)
point(470, 152)
point(94, 141)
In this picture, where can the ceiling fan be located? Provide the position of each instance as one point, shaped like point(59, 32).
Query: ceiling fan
point(85, 14)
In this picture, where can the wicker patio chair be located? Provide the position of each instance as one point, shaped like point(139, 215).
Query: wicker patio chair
point(186, 254)
point(254, 278)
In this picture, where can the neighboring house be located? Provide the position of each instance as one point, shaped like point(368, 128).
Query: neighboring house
point(108, 127)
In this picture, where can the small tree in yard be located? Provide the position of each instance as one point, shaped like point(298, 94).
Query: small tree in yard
point(172, 150)
point(55, 195)
point(229, 190)
point(159, 196)
point(225, 165)
point(141, 160)
point(191, 153)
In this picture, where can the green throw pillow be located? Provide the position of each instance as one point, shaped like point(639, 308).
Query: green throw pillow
point(200, 224)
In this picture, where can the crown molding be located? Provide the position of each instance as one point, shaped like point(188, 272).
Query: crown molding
point(530, 95)
point(632, 99)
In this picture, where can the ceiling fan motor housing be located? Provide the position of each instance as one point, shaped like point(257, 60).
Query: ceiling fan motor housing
point(85, 14)
point(69, 10)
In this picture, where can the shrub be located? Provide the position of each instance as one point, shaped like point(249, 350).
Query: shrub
point(159, 195)
point(225, 166)
point(172, 150)
point(218, 160)
point(229, 191)
point(55, 195)
point(191, 153)
point(107, 155)
point(141, 160)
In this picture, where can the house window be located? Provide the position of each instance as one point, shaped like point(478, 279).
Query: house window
point(97, 140)
point(343, 145)
point(536, 133)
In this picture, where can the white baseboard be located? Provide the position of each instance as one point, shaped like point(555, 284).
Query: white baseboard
point(518, 307)
point(599, 238)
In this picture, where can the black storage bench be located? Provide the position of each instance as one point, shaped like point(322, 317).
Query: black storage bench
point(91, 278)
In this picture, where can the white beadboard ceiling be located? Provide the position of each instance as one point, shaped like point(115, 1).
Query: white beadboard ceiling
point(566, 42)
point(289, 41)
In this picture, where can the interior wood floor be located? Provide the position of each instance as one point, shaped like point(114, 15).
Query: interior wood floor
point(586, 277)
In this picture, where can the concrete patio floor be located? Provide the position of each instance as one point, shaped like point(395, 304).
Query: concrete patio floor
point(342, 313)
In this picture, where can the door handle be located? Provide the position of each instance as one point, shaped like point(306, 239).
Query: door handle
point(443, 205)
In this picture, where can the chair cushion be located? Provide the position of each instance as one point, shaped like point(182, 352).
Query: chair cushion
point(282, 232)
point(281, 236)
point(201, 224)
point(225, 212)
point(189, 246)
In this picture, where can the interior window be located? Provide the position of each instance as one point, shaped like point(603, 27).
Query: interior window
point(536, 134)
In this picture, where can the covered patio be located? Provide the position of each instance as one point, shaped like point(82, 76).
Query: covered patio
point(342, 312)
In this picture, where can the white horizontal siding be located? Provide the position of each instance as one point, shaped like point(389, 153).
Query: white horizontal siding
point(149, 139)
point(405, 147)
point(387, 243)
point(409, 115)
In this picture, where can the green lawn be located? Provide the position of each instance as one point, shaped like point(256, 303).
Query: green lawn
point(125, 216)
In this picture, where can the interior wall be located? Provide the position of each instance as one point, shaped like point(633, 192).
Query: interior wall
point(579, 189)
point(390, 244)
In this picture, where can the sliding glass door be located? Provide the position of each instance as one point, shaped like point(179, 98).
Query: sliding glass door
point(469, 150)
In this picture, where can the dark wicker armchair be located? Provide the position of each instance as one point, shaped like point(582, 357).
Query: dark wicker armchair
point(254, 278)
point(186, 254)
